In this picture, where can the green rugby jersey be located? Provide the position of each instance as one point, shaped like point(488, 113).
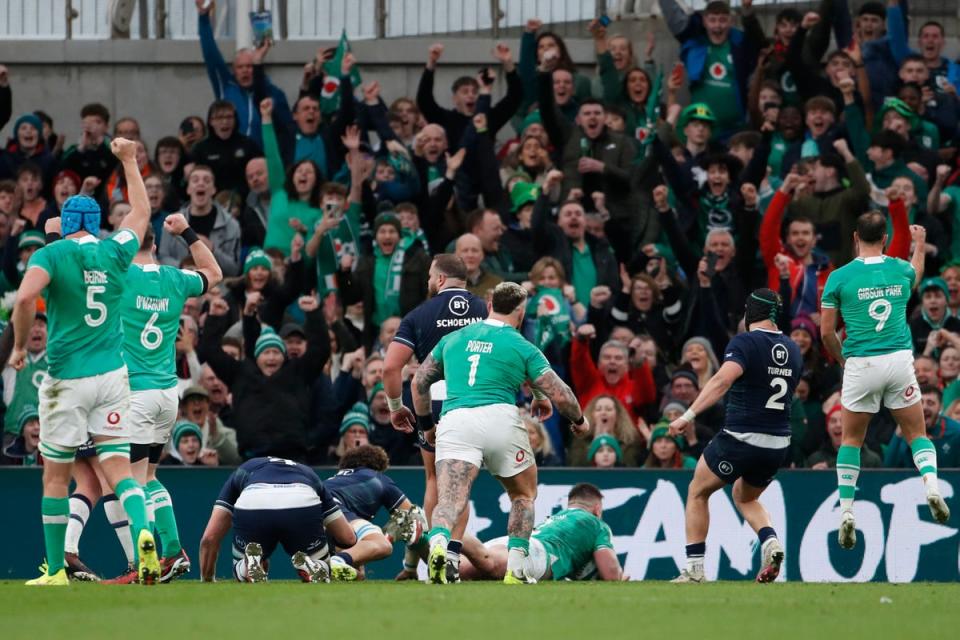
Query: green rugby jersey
point(486, 363)
point(570, 538)
point(151, 308)
point(87, 278)
point(871, 295)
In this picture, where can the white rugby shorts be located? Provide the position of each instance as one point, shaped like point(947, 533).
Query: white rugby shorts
point(74, 410)
point(492, 435)
point(153, 412)
point(869, 381)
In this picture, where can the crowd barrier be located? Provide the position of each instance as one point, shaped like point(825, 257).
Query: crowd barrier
point(898, 540)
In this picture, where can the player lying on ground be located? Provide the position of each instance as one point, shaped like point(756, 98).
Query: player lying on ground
point(153, 301)
point(271, 501)
point(485, 365)
point(361, 488)
point(574, 543)
point(86, 393)
point(761, 369)
point(449, 308)
point(871, 293)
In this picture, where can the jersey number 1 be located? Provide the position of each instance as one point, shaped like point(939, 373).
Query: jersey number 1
point(474, 361)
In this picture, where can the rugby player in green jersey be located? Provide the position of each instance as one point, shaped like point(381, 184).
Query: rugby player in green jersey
point(484, 365)
point(573, 544)
point(871, 294)
point(86, 393)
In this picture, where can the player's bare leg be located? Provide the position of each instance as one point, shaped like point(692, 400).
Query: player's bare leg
point(855, 425)
point(371, 546)
point(914, 431)
point(522, 489)
point(430, 501)
point(705, 482)
point(55, 510)
point(114, 459)
point(747, 498)
point(481, 562)
point(86, 494)
point(454, 480)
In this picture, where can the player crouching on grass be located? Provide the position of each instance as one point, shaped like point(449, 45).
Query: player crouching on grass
point(271, 501)
point(360, 488)
point(574, 544)
point(761, 369)
point(86, 392)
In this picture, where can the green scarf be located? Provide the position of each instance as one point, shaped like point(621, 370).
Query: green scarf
point(395, 273)
point(714, 212)
point(552, 328)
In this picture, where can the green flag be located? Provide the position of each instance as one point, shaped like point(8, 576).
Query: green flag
point(552, 312)
point(330, 96)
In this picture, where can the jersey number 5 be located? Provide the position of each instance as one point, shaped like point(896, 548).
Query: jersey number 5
point(774, 402)
point(92, 304)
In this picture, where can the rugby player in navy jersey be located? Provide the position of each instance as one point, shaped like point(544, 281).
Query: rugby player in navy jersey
point(449, 308)
point(271, 501)
point(361, 488)
point(760, 371)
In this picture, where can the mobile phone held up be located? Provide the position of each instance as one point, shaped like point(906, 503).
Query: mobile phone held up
point(604, 20)
point(261, 23)
point(711, 264)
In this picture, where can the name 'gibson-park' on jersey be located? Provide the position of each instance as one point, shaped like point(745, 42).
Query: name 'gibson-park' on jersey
point(444, 313)
point(151, 308)
point(486, 363)
point(872, 295)
point(759, 400)
point(87, 279)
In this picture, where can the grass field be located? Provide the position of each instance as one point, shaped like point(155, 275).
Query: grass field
point(592, 611)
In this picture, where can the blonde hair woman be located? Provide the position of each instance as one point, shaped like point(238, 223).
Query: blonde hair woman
point(607, 415)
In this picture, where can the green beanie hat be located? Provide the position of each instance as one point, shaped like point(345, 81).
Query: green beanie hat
point(662, 430)
point(268, 340)
point(377, 388)
point(185, 428)
point(257, 258)
point(31, 239)
point(358, 414)
point(532, 118)
point(608, 440)
point(901, 107)
point(28, 413)
point(523, 193)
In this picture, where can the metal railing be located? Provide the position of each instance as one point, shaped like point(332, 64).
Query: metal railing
point(324, 19)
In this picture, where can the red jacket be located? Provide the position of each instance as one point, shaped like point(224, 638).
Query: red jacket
point(635, 390)
point(771, 244)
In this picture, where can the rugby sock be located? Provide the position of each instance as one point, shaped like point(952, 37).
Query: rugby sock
point(925, 459)
point(411, 558)
point(848, 471)
point(765, 534)
point(439, 536)
point(56, 514)
point(453, 552)
point(118, 520)
point(346, 557)
point(79, 514)
point(148, 505)
point(517, 550)
point(695, 553)
point(166, 520)
point(134, 504)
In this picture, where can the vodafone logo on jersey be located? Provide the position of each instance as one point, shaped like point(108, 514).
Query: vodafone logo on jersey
point(521, 456)
point(718, 71)
point(550, 304)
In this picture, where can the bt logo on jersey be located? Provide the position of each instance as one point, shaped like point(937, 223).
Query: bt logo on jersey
point(458, 305)
point(779, 354)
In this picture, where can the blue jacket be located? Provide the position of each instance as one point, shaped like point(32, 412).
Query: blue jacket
point(744, 46)
point(225, 87)
point(945, 436)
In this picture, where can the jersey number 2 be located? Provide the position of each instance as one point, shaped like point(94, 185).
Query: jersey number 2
point(474, 361)
point(92, 304)
point(781, 390)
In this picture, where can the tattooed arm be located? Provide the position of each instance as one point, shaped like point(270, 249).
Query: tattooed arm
point(550, 385)
point(428, 372)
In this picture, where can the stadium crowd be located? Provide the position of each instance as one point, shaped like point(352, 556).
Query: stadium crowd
point(637, 223)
